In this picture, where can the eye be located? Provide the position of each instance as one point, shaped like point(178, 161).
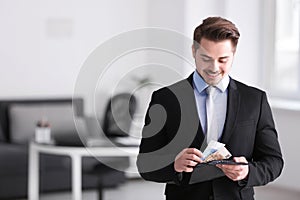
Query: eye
point(223, 60)
point(204, 59)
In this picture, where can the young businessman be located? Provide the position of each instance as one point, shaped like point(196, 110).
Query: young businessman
point(176, 126)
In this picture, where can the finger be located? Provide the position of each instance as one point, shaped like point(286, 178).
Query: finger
point(193, 157)
point(183, 153)
point(229, 174)
point(195, 151)
point(188, 169)
point(237, 170)
point(235, 167)
point(183, 165)
point(190, 163)
point(228, 171)
point(240, 159)
point(227, 167)
point(235, 175)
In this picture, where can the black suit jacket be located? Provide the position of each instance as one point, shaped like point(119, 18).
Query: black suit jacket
point(172, 124)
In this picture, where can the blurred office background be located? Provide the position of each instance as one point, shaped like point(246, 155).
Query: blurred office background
point(44, 44)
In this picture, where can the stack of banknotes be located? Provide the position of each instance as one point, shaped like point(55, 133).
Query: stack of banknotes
point(215, 151)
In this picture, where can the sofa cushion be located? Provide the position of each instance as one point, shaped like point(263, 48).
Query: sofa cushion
point(2, 137)
point(13, 159)
point(23, 119)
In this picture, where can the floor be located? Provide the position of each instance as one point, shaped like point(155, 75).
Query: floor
point(142, 190)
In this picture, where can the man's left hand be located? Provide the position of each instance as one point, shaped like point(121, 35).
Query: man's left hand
point(235, 172)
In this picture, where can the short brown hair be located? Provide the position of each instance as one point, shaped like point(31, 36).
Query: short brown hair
point(216, 29)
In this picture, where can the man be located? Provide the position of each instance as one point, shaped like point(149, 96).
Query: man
point(177, 126)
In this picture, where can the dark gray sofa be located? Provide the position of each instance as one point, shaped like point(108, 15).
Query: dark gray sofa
point(16, 132)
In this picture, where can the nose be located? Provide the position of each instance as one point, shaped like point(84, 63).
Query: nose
point(215, 66)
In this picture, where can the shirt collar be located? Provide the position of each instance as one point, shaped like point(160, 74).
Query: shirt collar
point(223, 84)
point(201, 85)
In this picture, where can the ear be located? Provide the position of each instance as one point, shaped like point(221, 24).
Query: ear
point(194, 51)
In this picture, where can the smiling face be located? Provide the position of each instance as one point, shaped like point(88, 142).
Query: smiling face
point(213, 59)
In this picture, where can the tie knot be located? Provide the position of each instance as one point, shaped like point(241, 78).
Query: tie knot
point(210, 90)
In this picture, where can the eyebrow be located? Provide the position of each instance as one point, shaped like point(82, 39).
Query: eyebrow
point(206, 56)
point(203, 55)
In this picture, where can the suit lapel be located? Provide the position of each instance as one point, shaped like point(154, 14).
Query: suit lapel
point(233, 106)
point(194, 114)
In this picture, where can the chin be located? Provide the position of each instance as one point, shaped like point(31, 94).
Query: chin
point(212, 82)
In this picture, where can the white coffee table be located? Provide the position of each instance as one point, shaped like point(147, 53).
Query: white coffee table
point(76, 154)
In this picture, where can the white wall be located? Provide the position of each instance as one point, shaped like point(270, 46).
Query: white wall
point(287, 122)
point(44, 43)
point(247, 16)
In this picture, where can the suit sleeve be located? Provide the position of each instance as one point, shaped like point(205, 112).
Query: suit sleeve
point(267, 162)
point(153, 162)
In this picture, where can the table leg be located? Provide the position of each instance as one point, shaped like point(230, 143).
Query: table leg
point(33, 174)
point(76, 177)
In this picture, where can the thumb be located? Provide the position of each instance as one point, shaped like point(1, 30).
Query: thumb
point(240, 159)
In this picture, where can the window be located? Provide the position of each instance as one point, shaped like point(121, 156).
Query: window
point(285, 72)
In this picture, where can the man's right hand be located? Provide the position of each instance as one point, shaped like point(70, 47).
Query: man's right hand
point(187, 159)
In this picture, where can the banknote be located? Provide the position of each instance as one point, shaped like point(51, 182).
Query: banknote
point(215, 151)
